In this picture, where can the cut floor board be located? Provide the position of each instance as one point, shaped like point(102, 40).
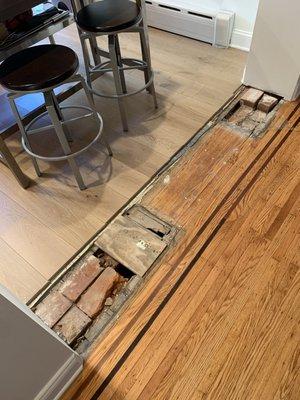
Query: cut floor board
point(131, 244)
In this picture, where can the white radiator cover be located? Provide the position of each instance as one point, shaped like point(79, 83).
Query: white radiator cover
point(195, 19)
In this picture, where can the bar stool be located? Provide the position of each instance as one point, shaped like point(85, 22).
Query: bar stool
point(110, 18)
point(42, 69)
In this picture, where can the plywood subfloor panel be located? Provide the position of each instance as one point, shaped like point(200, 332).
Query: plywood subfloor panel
point(218, 317)
point(46, 224)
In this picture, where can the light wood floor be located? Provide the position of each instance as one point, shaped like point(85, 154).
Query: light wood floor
point(218, 318)
point(41, 228)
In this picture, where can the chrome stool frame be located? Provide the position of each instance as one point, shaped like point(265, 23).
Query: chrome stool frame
point(59, 125)
point(116, 64)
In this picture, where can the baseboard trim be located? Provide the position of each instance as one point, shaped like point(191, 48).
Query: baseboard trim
point(63, 378)
point(241, 39)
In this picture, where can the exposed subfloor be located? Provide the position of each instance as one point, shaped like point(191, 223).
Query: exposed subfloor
point(218, 315)
point(42, 227)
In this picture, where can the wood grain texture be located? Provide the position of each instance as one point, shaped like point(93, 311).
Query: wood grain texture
point(17, 274)
point(218, 317)
point(193, 80)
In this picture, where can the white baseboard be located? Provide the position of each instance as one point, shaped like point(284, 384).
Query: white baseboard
point(241, 39)
point(62, 379)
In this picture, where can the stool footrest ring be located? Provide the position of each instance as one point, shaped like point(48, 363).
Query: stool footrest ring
point(118, 96)
point(46, 127)
point(97, 118)
point(137, 64)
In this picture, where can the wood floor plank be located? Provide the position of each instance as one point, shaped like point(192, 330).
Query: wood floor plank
point(160, 393)
point(245, 342)
point(168, 337)
point(258, 327)
point(221, 315)
point(166, 382)
point(195, 289)
point(53, 213)
point(39, 245)
point(262, 357)
point(18, 275)
point(239, 156)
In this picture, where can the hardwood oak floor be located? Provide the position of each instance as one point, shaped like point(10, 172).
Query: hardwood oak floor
point(218, 316)
point(42, 227)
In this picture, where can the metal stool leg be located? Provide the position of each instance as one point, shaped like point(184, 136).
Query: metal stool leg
point(52, 39)
point(50, 106)
point(117, 79)
point(9, 160)
point(144, 38)
point(144, 56)
point(120, 64)
point(94, 50)
point(86, 59)
point(91, 104)
point(60, 116)
point(23, 133)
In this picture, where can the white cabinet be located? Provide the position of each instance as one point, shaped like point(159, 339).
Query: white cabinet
point(274, 59)
point(34, 364)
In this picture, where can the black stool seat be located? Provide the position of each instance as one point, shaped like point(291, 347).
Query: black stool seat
point(38, 67)
point(108, 16)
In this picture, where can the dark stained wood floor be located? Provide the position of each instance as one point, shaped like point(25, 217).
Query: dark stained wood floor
point(218, 317)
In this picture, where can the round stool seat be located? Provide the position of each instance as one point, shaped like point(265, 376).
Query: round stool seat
point(108, 16)
point(38, 68)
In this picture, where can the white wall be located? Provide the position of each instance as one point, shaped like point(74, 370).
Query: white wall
point(245, 11)
point(274, 60)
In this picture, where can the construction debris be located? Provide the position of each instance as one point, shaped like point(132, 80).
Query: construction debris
point(85, 292)
point(252, 112)
point(267, 103)
point(251, 97)
point(72, 324)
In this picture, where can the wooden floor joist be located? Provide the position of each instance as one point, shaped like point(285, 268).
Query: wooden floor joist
point(217, 317)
